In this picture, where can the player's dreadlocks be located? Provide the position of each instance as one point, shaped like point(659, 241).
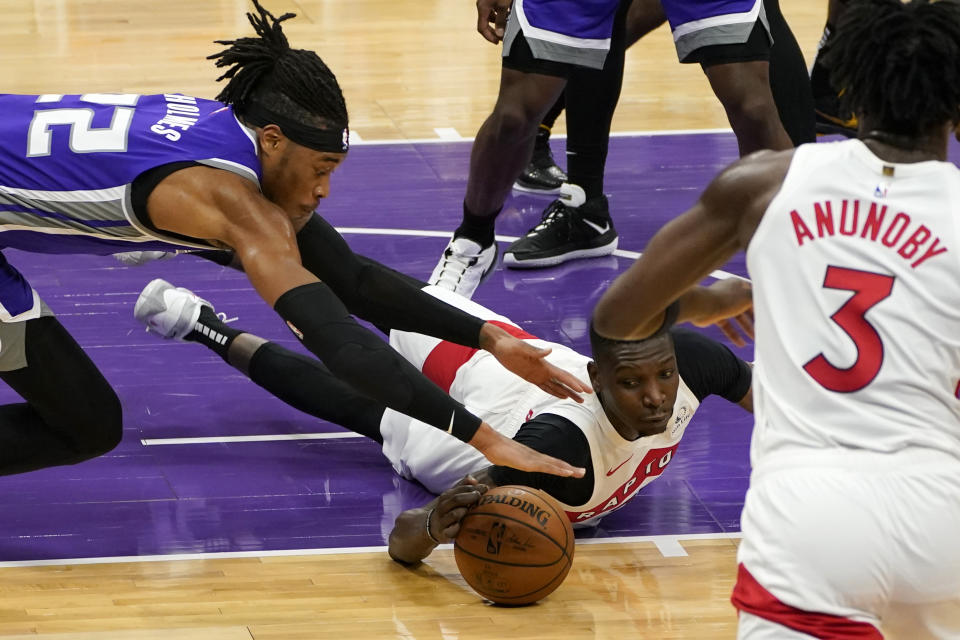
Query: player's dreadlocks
point(268, 82)
point(899, 63)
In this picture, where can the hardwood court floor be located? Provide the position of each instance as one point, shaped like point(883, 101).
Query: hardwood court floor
point(613, 590)
point(406, 67)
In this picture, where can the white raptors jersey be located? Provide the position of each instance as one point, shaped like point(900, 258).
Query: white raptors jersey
point(856, 289)
point(438, 460)
point(622, 467)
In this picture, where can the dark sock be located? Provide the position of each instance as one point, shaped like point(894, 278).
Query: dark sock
point(212, 332)
point(789, 80)
point(306, 384)
point(591, 100)
point(477, 228)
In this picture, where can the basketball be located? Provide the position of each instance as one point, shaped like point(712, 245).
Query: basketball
point(515, 546)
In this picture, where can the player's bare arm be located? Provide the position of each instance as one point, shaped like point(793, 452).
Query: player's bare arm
point(691, 246)
point(417, 532)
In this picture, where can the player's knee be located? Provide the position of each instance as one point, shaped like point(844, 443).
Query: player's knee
point(751, 113)
point(514, 122)
point(100, 424)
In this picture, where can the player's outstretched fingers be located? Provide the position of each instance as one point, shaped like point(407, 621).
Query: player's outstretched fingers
point(503, 451)
point(745, 320)
point(729, 330)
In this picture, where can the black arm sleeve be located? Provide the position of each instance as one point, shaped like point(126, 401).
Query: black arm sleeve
point(379, 294)
point(364, 361)
point(560, 438)
point(710, 368)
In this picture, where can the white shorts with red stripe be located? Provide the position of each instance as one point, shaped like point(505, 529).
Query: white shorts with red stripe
point(844, 544)
point(475, 378)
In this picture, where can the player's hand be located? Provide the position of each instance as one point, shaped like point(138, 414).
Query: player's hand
point(529, 362)
point(452, 505)
point(492, 18)
point(729, 305)
point(505, 452)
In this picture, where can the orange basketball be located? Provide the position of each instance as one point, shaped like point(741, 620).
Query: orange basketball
point(515, 546)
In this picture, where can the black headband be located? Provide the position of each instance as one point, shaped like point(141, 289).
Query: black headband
point(334, 140)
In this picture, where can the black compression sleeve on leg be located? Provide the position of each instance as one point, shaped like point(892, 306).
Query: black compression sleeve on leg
point(789, 81)
point(306, 384)
point(359, 358)
point(376, 293)
point(591, 100)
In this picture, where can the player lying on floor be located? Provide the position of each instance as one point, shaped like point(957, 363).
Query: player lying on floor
point(624, 434)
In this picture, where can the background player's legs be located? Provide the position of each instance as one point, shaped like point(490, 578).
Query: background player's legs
point(504, 143)
point(789, 80)
point(826, 97)
point(591, 96)
point(529, 87)
point(541, 174)
point(71, 413)
point(743, 89)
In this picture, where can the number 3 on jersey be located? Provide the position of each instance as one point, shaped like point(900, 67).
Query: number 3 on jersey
point(868, 289)
point(83, 137)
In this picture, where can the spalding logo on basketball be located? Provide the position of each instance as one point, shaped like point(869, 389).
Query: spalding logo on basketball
point(515, 546)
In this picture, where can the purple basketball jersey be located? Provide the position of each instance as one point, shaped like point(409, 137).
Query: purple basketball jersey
point(67, 164)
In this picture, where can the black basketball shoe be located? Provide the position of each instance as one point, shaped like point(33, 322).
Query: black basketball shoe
point(571, 227)
point(541, 175)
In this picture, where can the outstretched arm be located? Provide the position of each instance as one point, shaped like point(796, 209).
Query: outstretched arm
point(391, 299)
point(690, 247)
point(208, 203)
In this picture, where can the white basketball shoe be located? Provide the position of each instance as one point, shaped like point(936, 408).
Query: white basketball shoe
point(169, 311)
point(463, 266)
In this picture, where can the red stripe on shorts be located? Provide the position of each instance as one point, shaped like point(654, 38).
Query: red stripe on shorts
point(445, 360)
point(750, 596)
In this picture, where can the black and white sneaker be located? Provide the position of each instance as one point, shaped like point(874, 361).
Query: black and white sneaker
point(571, 227)
point(541, 175)
point(463, 266)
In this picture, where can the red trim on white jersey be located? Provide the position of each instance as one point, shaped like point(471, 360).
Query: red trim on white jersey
point(750, 596)
point(446, 358)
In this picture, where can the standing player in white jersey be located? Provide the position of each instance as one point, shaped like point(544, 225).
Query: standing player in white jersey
point(852, 519)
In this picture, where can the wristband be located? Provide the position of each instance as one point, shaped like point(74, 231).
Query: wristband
point(429, 518)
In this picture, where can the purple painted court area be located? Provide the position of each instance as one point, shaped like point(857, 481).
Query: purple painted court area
point(250, 496)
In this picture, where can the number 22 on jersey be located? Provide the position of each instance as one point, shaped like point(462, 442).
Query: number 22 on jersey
point(868, 289)
point(83, 137)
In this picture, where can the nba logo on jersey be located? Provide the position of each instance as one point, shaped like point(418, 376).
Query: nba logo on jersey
point(881, 190)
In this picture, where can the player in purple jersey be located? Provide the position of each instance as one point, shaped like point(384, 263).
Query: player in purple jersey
point(731, 39)
point(95, 172)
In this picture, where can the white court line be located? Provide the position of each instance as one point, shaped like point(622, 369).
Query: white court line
point(663, 541)
point(619, 134)
point(448, 133)
point(426, 233)
point(148, 442)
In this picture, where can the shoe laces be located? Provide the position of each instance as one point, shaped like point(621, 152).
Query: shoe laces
point(454, 266)
point(556, 213)
point(224, 319)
